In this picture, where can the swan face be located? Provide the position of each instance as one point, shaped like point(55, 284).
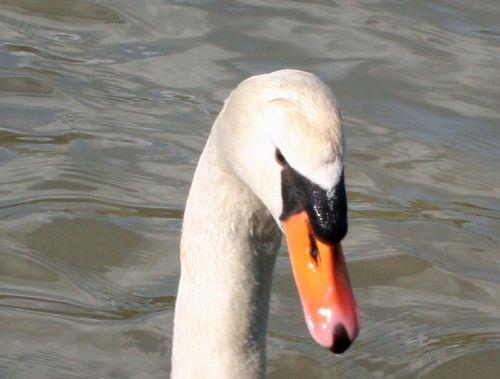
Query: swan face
point(290, 111)
point(281, 134)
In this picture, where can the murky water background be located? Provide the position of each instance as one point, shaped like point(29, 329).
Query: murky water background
point(105, 107)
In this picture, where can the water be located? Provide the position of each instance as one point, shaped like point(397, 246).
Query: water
point(105, 107)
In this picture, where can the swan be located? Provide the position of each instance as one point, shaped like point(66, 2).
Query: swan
point(273, 163)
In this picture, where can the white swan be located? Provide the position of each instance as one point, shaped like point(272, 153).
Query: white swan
point(274, 160)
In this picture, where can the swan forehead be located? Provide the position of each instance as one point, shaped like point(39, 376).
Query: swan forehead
point(309, 135)
point(327, 176)
point(298, 114)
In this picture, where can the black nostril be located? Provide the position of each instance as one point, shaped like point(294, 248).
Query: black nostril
point(313, 248)
point(341, 340)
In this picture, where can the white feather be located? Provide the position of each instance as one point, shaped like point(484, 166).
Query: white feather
point(230, 236)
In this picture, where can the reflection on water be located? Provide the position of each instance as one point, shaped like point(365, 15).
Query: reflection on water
point(105, 107)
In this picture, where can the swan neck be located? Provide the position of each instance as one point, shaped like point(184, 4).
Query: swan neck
point(228, 249)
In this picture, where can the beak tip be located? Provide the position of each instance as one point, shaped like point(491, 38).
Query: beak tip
point(341, 339)
point(336, 337)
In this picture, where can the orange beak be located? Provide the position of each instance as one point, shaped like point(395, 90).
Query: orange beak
point(330, 309)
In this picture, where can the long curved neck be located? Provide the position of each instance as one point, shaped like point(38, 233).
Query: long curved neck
point(228, 249)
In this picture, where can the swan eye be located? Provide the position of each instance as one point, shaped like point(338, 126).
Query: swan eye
point(280, 158)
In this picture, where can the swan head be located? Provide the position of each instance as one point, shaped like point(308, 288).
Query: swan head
point(281, 134)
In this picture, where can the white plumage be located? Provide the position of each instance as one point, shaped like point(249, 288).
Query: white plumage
point(230, 233)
